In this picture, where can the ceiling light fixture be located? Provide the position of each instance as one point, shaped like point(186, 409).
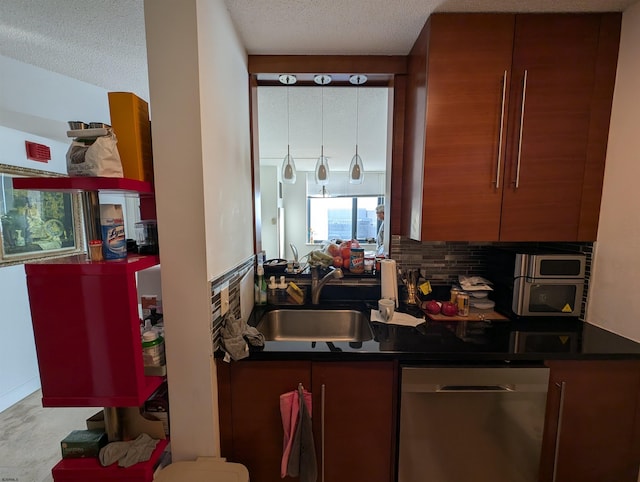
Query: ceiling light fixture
point(358, 79)
point(288, 164)
point(287, 79)
point(322, 165)
point(322, 79)
point(356, 168)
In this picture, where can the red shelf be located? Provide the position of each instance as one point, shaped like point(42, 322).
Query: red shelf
point(80, 184)
point(87, 332)
point(89, 469)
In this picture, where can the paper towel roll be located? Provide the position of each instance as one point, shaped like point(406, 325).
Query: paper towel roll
point(389, 280)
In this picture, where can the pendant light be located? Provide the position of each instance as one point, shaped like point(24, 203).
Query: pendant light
point(322, 165)
point(288, 164)
point(356, 168)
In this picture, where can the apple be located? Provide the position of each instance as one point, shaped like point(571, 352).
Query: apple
point(449, 309)
point(337, 261)
point(432, 307)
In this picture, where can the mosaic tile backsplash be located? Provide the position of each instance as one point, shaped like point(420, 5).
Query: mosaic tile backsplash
point(442, 262)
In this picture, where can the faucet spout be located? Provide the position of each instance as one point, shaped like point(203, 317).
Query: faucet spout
point(317, 284)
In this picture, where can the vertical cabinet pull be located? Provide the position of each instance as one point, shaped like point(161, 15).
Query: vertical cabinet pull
point(504, 93)
point(516, 181)
point(322, 397)
point(556, 453)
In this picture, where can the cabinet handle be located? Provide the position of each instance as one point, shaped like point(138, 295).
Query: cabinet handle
point(504, 93)
point(322, 396)
point(524, 97)
point(556, 453)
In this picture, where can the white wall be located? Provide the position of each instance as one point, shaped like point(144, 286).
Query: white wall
point(34, 106)
point(614, 301)
point(199, 95)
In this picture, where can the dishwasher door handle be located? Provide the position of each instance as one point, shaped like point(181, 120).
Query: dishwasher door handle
point(475, 388)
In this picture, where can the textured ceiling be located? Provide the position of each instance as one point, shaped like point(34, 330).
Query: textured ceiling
point(102, 42)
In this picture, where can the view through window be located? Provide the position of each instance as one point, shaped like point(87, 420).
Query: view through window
point(342, 218)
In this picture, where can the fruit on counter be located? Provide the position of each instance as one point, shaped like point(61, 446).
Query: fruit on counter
point(345, 251)
point(432, 307)
point(449, 309)
point(333, 249)
point(337, 261)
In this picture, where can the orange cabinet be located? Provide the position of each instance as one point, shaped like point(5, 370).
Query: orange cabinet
point(506, 127)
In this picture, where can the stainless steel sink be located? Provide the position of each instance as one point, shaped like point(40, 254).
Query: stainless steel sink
point(314, 325)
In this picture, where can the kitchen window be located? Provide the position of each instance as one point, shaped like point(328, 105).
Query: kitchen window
point(343, 218)
point(36, 224)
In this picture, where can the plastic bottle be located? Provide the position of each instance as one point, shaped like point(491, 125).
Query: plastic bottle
point(261, 287)
point(152, 349)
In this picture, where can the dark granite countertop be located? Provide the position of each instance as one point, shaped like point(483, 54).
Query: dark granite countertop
point(459, 341)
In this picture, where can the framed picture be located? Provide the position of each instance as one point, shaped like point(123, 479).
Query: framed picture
point(36, 224)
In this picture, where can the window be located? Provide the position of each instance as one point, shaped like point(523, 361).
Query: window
point(35, 224)
point(342, 218)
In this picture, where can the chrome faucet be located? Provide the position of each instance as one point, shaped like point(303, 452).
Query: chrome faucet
point(317, 284)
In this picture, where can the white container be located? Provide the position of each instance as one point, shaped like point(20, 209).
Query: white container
point(114, 242)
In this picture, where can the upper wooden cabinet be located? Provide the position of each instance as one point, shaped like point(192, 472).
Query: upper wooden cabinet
point(507, 121)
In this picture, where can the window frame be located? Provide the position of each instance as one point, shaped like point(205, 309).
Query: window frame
point(76, 216)
point(354, 217)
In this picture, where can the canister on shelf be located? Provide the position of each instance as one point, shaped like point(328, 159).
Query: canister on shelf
point(463, 304)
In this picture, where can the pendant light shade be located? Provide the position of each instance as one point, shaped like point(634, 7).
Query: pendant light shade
point(288, 169)
point(288, 164)
point(356, 168)
point(322, 164)
point(322, 169)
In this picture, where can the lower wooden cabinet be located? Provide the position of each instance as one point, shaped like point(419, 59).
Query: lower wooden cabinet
point(354, 433)
point(592, 426)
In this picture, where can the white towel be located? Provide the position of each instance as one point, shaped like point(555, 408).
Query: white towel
point(402, 319)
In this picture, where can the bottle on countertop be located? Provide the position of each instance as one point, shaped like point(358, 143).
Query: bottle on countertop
point(153, 349)
point(260, 287)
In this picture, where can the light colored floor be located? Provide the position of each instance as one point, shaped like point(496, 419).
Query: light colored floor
point(30, 438)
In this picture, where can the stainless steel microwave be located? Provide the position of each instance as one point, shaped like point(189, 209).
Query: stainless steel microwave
point(540, 284)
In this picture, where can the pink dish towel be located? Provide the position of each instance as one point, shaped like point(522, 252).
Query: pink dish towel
point(290, 411)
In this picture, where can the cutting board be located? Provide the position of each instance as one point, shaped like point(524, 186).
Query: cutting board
point(474, 315)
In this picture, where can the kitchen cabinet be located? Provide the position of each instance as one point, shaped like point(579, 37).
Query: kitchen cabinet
point(592, 425)
point(354, 432)
point(506, 126)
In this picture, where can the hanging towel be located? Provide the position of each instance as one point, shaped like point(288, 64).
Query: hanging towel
point(290, 404)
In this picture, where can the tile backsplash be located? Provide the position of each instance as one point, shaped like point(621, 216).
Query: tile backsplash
point(442, 261)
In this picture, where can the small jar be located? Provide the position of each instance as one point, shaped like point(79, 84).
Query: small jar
point(95, 250)
point(152, 349)
point(454, 295)
point(356, 261)
point(463, 304)
point(369, 262)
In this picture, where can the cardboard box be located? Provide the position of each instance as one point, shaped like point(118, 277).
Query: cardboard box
point(83, 443)
point(96, 421)
point(131, 125)
point(157, 405)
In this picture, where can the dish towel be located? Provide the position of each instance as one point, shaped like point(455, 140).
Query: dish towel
point(235, 334)
point(298, 454)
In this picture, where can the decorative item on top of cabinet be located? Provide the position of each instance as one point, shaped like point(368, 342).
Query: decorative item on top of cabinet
point(592, 424)
point(507, 124)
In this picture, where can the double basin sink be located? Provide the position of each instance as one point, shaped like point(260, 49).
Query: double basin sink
point(315, 324)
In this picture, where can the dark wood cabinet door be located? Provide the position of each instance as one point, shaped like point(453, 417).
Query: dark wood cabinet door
point(592, 422)
point(555, 76)
point(359, 427)
point(250, 421)
point(467, 85)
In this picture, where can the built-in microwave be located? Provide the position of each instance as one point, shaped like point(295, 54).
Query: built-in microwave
point(538, 283)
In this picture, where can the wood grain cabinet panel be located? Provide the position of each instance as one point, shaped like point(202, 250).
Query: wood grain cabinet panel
point(500, 137)
point(358, 417)
point(592, 422)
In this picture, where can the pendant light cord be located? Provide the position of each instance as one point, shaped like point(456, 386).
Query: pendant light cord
point(322, 117)
point(288, 125)
point(357, 115)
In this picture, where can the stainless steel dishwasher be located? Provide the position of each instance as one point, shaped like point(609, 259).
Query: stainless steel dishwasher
point(471, 424)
